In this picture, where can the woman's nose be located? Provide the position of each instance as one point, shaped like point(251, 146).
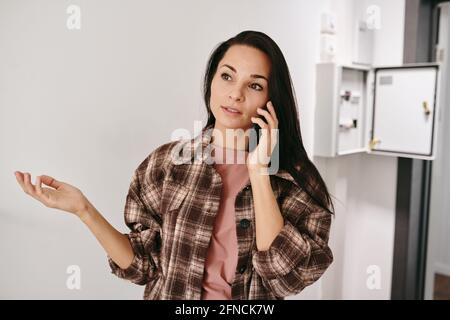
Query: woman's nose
point(236, 94)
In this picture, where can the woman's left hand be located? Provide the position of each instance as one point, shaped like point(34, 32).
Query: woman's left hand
point(259, 158)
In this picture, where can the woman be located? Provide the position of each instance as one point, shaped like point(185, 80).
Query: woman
point(214, 229)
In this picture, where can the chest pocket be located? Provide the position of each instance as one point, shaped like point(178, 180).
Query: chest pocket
point(173, 195)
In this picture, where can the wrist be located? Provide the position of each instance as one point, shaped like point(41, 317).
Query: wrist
point(85, 212)
point(258, 171)
point(258, 177)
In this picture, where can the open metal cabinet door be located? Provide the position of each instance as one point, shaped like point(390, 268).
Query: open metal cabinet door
point(404, 106)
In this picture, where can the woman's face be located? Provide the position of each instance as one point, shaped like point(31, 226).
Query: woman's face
point(240, 82)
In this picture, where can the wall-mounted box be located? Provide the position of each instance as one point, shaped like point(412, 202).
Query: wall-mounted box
point(388, 110)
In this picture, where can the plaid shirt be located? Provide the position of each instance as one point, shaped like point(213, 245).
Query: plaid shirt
point(170, 210)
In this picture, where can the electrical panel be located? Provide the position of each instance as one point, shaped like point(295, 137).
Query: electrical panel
point(388, 110)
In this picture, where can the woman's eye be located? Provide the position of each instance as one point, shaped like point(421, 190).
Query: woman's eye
point(225, 74)
point(260, 88)
point(255, 86)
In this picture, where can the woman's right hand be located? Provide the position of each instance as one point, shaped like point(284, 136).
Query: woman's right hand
point(61, 195)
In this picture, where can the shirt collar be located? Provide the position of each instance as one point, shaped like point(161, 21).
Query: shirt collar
point(201, 142)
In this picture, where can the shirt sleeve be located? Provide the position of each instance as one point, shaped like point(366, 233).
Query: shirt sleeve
point(299, 254)
point(144, 221)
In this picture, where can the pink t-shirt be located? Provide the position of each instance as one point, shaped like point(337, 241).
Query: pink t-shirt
point(222, 256)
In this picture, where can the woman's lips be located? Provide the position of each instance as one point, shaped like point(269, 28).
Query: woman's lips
point(227, 111)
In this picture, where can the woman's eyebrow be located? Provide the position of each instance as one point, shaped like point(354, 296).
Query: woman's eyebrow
point(252, 75)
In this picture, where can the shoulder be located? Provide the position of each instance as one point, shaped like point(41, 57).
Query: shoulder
point(294, 192)
point(158, 162)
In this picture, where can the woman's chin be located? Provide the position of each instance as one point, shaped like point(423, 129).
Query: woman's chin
point(233, 124)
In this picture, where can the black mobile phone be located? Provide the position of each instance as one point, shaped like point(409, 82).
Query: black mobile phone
point(257, 127)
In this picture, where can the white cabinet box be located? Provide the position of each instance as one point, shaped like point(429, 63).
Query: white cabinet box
point(388, 110)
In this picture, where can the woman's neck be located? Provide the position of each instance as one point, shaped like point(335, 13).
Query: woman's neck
point(229, 138)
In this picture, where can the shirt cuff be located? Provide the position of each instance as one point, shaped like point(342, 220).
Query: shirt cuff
point(286, 251)
point(132, 271)
point(137, 270)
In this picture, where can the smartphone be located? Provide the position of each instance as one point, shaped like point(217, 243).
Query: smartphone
point(256, 126)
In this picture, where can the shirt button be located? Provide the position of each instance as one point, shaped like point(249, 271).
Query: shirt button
point(242, 269)
point(244, 223)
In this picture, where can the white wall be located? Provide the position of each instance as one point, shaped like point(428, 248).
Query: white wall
point(88, 106)
point(442, 170)
point(364, 185)
point(438, 253)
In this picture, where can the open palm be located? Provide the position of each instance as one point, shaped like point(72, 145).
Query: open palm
point(60, 195)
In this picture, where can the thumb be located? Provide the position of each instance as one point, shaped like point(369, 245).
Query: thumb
point(49, 181)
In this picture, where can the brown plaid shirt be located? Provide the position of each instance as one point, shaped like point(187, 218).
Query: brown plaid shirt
point(170, 210)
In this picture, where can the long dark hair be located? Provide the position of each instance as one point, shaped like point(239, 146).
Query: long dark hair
point(281, 93)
